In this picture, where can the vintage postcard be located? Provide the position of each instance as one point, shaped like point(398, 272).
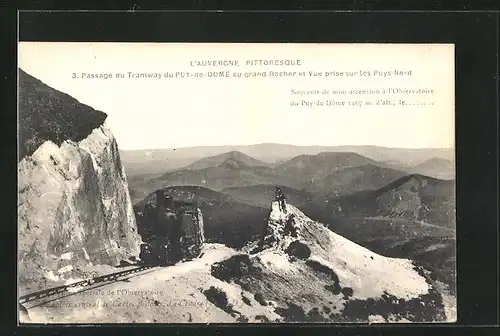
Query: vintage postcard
point(236, 183)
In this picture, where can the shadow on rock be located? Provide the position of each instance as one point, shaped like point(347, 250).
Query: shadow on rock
point(335, 288)
point(235, 268)
point(219, 298)
point(298, 250)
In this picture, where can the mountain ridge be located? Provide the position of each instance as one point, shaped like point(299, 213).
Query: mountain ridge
point(220, 175)
point(437, 167)
point(414, 196)
point(305, 170)
point(357, 178)
point(217, 160)
point(271, 153)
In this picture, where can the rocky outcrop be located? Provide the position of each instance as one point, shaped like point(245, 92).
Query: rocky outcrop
point(351, 283)
point(74, 208)
point(172, 223)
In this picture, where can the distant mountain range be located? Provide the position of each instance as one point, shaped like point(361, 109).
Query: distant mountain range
point(230, 173)
point(234, 169)
point(306, 171)
point(436, 167)
point(342, 173)
point(157, 161)
point(272, 152)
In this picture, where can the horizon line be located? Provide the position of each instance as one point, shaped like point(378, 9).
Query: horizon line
point(280, 144)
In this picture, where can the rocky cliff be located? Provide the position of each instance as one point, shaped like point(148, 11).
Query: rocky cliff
point(74, 208)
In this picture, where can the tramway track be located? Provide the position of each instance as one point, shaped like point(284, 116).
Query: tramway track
point(83, 283)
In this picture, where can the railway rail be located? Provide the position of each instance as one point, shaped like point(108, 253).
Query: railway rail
point(83, 283)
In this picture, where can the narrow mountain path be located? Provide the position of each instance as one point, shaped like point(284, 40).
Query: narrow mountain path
point(159, 295)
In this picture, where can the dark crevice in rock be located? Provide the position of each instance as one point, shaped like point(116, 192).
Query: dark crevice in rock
point(242, 319)
point(347, 291)
point(219, 298)
point(335, 288)
point(262, 318)
point(235, 268)
point(298, 249)
point(260, 299)
point(246, 300)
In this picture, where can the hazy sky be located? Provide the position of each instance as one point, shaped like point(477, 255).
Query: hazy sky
point(172, 113)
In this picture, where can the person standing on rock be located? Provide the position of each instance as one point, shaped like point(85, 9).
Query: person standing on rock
point(280, 198)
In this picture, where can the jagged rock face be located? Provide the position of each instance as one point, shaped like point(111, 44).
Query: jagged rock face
point(200, 225)
point(74, 204)
point(74, 208)
point(158, 220)
point(192, 226)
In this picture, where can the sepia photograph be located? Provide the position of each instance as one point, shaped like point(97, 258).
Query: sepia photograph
point(236, 183)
